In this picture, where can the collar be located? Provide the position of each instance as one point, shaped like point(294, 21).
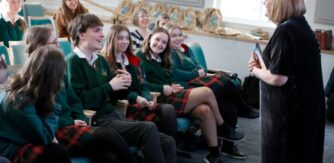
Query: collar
point(80, 54)
point(158, 58)
point(122, 59)
point(7, 19)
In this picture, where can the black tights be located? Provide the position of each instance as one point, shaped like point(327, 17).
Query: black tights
point(167, 124)
point(54, 153)
point(105, 145)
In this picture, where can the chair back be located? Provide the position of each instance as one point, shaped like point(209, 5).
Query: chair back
point(4, 51)
point(41, 21)
point(198, 54)
point(65, 45)
point(17, 52)
point(32, 9)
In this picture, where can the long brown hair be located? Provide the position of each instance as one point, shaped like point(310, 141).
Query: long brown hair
point(35, 37)
point(109, 49)
point(66, 14)
point(165, 55)
point(38, 81)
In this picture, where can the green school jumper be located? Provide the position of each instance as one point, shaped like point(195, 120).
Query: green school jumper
point(10, 32)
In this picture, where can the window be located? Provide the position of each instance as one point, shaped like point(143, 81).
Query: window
point(250, 12)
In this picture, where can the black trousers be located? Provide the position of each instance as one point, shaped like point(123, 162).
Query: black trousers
point(54, 153)
point(105, 145)
point(156, 147)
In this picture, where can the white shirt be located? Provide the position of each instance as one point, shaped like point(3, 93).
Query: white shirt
point(91, 61)
point(122, 59)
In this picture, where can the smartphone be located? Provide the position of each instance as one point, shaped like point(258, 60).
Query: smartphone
point(258, 51)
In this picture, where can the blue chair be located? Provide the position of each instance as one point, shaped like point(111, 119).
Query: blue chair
point(65, 46)
point(4, 51)
point(198, 54)
point(41, 21)
point(32, 9)
point(17, 52)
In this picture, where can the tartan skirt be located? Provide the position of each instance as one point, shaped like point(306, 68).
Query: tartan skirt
point(67, 136)
point(178, 100)
point(28, 154)
point(74, 135)
point(215, 82)
point(134, 112)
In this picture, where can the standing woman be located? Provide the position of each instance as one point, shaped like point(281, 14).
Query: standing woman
point(119, 54)
point(68, 11)
point(11, 24)
point(293, 105)
point(198, 102)
point(141, 20)
point(28, 113)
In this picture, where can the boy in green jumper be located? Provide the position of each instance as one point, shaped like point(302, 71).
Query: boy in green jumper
point(99, 89)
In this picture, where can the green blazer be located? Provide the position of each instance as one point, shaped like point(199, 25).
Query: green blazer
point(23, 126)
point(92, 84)
point(156, 75)
point(71, 107)
point(10, 32)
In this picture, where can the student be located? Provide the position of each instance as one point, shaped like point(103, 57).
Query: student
point(163, 19)
point(11, 24)
point(186, 69)
point(119, 55)
point(99, 144)
point(68, 11)
point(28, 113)
point(292, 92)
point(198, 102)
point(99, 89)
point(141, 20)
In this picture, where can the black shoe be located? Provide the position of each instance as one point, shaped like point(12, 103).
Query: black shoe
point(253, 113)
point(212, 159)
point(230, 134)
point(233, 152)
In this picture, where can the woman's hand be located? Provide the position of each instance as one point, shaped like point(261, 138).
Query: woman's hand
point(80, 122)
point(253, 62)
point(142, 102)
point(120, 82)
point(176, 88)
point(167, 90)
point(201, 72)
point(151, 105)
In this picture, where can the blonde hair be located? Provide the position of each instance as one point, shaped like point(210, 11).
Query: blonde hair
point(282, 10)
point(135, 16)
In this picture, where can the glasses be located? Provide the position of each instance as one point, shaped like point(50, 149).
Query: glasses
point(56, 43)
point(143, 16)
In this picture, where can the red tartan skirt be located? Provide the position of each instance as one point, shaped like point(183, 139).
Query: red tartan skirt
point(73, 135)
point(28, 154)
point(179, 101)
point(215, 82)
point(134, 112)
point(67, 136)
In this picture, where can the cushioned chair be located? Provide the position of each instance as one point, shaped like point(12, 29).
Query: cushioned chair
point(41, 21)
point(32, 9)
point(65, 46)
point(17, 52)
point(200, 58)
point(4, 52)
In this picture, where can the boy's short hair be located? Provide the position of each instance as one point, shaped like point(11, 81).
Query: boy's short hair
point(80, 24)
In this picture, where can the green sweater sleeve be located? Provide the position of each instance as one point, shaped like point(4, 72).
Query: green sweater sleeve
point(85, 84)
point(178, 72)
point(37, 130)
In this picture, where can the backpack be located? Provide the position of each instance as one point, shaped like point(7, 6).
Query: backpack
point(250, 91)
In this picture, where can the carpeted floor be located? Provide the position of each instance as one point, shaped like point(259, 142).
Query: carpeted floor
point(251, 145)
